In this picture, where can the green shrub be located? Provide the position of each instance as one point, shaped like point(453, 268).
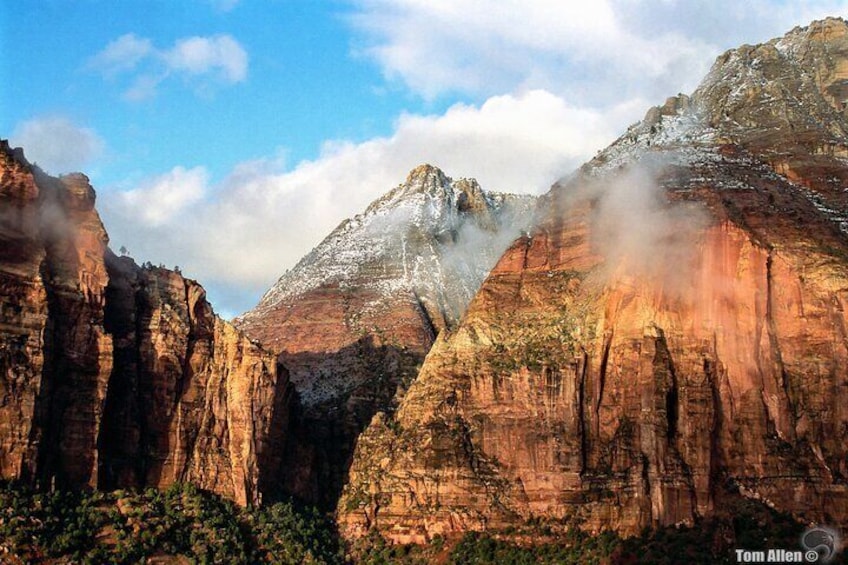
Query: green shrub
point(181, 520)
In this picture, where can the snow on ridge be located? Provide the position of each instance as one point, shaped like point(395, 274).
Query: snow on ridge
point(409, 239)
point(678, 133)
point(681, 139)
point(686, 132)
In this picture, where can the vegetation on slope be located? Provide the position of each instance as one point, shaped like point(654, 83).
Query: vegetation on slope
point(182, 523)
point(744, 524)
point(186, 525)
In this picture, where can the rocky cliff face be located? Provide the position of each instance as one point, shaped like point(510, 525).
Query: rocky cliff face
point(115, 375)
point(353, 320)
point(191, 399)
point(673, 329)
point(52, 281)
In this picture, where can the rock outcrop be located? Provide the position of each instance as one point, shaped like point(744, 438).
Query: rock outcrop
point(673, 329)
point(114, 375)
point(353, 320)
point(192, 400)
point(53, 280)
point(23, 314)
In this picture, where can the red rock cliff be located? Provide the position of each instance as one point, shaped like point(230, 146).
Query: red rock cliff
point(113, 375)
point(55, 356)
point(191, 399)
point(674, 329)
point(353, 320)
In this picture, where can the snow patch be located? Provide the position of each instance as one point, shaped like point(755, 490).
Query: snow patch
point(415, 239)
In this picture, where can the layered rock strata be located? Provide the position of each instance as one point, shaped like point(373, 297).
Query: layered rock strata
point(674, 327)
point(192, 400)
point(353, 320)
point(52, 285)
point(115, 375)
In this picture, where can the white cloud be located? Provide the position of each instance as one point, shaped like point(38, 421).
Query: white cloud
point(201, 55)
point(122, 54)
point(143, 88)
point(260, 221)
point(556, 81)
point(485, 47)
point(57, 144)
point(164, 198)
point(204, 61)
point(592, 53)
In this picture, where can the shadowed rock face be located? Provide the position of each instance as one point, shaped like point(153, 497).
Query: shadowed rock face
point(55, 357)
point(191, 399)
point(354, 319)
point(23, 315)
point(113, 375)
point(674, 324)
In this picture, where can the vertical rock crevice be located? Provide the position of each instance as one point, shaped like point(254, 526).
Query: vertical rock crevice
point(786, 419)
point(136, 382)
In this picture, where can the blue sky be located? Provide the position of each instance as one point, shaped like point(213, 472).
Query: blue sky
point(302, 84)
point(229, 137)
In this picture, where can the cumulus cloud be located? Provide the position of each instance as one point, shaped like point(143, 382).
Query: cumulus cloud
point(201, 55)
point(246, 230)
point(122, 54)
point(475, 46)
point(552, 82)
point(164, 198)
point(590, 52)
point(203, 61)
point(57, 144)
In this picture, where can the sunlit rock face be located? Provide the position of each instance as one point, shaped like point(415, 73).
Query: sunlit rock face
point(354, 319)
point(673, 329)
point(55, 357)
point(114, 375)
point(191, 399)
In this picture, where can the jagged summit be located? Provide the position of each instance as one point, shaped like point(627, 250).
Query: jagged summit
point(669, 337)
point(788, 92)
point(463, 195)
point(426, 175)
point(777, 109)
point(411, 238)
point(354, 318)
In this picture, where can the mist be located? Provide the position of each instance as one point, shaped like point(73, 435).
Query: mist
point(445, 252)
point(638, 230)
point(477, 246)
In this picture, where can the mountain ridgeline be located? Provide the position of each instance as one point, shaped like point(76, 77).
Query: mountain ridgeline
point(121, 376)
point(670, 335)
point(114, 375)
point(354, 319)
point(657, 342)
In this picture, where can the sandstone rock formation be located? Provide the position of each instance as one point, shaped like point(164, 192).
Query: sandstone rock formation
point(353, 320)
point(23, 312)
point(113, 375)
point(53, 284)
point(191, 399)
point(673, 329)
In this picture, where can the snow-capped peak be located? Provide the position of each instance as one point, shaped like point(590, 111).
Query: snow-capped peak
point(430, 235)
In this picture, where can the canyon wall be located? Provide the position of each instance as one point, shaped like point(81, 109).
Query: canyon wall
point(114, 375)
point(354, 319)
point(672, 332)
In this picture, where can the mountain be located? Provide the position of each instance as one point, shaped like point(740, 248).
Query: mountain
point(670, 337)
point(665, 346)
point(114, 375)
point(353, 320)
